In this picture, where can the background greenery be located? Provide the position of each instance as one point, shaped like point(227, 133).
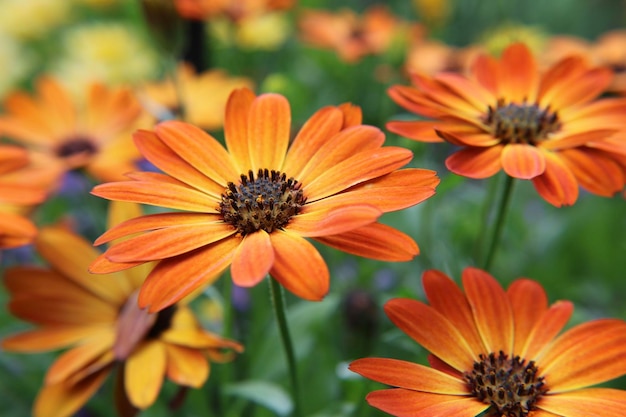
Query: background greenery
point(577, 253)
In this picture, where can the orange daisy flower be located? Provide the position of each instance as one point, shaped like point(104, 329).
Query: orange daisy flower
point(234, 9)
point(350, 35)
point(99, 321)
point(94, 135)
point(548, 128)
point(22, 185)
point(199, 109)
point(497, 352)
point(254, 204)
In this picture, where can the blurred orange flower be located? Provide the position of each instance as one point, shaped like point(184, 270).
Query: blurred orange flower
point(98, 319)
point(94, 135)
point(22, 185)
point(610, 50)
point(352, 36)
point(252, 206)
point(233, 9)
point(496, 353)
point(200, 109)
point(548, 128)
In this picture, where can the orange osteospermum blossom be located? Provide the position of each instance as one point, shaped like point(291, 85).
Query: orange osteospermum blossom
point(351, 36)
point(234, 9)
point(200, 109)
point(499, 353)
point(252, 206)
point(93, 134)
point(546, 128)
point(23, 184)
point(98, 320)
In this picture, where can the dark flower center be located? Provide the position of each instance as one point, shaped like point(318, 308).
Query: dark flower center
point(521, 123)
point(76, 146)
point(510, 385)
point(162, 323)
point(266, 202)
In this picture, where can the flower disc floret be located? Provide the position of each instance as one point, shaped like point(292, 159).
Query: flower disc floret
point(522, 123)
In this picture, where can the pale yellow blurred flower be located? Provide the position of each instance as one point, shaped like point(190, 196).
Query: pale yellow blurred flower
point(21, 61)
point(263, 32)
point(29, 19)
point(433, 12)
point(113, 53)
point(497, 39)
point(97, 4)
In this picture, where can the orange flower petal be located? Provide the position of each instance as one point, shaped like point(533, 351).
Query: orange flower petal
point(154, 222)
point(158, 193)
point(518, 78)
point(103, 266)
point(585, 88)
point(484, 68)
point(479, 139)
point(168, 242)
point(476, 163)
point(371, 163)
point(406, 403)
point(424, 131)
point(491, 309)
point(298, 266)
point(374, 241)
point(546, 328)
point(174, 278)
point(57, 311)
point(47, 338)
point(16, 231)
point(236, 127)
point(528, 303)
point(352, 115)
point(588, 354)
point(143, 373)
point(65, 399)
point(71, 255)
point(403, 374)
point(448, 299)
point(595, 171)
point(80, 356)
point(557, 185)
point(198, 149)
point(269, 124)
point(163, 157)
point(253, 259)
point(432, 330)
point(318, 129)
point(572, 140)
point(523, 161)
point(339, 148)
point(329, 217)
point(185, 366)
point(603, 402)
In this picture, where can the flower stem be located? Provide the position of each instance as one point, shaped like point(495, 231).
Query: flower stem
point(276, 295)
point(505, 198)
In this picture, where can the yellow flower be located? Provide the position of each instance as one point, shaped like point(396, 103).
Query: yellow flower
point(33, 18)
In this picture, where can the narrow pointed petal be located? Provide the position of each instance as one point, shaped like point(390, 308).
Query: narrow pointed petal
point(588, 354)
point(65, 399)
point(299, 267)
point(523, 161)
point(557, 185)
point(326, 217)
point(403, 374)
point(253, 259)
point(476, 163)
point(318, 129)
point(46, 338)
point(168, 242)
point(491, 308)
point(185, 366)
point(143, 373)
point(236, 127)
point(528, 303)
point(198, 149)
point(375, 241)
point(432, 330)
point(603, 402)
point(518, 77)
point(101, 265)
point(545, 329)
point(423, 131)
point(448, 299)
point(268, 131)
point(174, 278)
point(371, 163)
point(406, 403)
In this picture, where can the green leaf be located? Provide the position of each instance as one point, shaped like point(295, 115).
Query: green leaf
point(263, 393)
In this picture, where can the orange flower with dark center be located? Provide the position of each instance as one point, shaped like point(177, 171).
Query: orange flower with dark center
point(546, 128)
point(98, 320)
point(254, 204)
point(498, 353)
point(93, 135)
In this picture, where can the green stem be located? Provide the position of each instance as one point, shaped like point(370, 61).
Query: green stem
point(276, 296)
point(501, 214)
